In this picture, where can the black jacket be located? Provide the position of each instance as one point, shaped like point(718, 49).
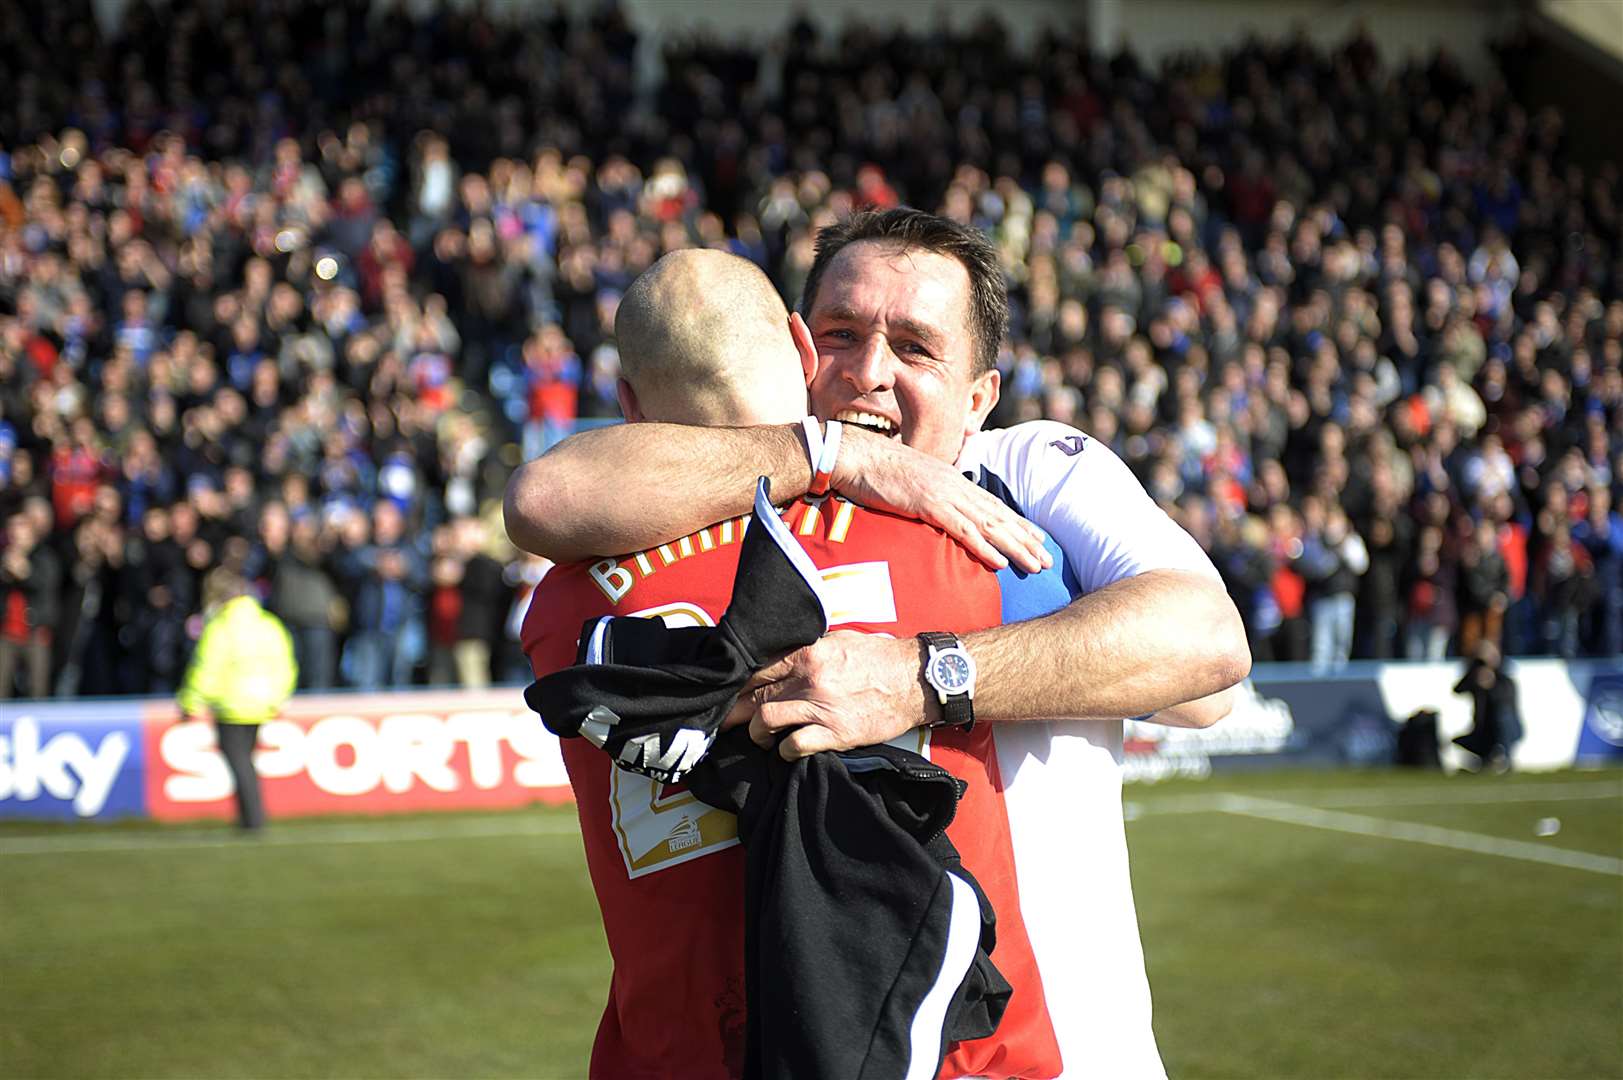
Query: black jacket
point(867, 945)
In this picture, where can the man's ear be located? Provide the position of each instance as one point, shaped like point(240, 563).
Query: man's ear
point(804, 346)
point(630, 407)
point(983, 396)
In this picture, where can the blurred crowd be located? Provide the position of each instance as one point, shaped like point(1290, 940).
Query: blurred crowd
point(291, 288)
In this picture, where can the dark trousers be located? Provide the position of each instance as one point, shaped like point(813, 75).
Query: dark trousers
point(237, 744)
point(35, 658)
point(315, 649)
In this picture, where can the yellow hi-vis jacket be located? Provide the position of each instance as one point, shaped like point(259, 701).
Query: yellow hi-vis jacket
point(243, 669)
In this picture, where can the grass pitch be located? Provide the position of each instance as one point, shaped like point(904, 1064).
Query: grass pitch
point(1295, 925)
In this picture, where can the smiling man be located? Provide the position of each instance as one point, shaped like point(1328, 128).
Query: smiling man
point(876, 307)
point(907, 312)
point(708, 341)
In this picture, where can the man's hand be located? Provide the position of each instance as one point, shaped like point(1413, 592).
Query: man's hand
point(846, 690)
point(1165, 642)
point(887, 474)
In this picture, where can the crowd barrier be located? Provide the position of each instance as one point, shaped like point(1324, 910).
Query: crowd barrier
point(415, 751)
point(1295, 715)
point(402, 752)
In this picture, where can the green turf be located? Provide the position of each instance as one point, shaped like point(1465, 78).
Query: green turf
point(469, 945)
point(1279, 950)
point(470, 956)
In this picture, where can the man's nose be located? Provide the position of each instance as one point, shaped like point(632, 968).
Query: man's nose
point(870, 369)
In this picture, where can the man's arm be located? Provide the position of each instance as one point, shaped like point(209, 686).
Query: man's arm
point(1202, 712)
point(1151, 644)
point(1167, 642)
point(633, 486)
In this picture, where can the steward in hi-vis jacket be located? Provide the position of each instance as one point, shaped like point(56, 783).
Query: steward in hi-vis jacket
point(241, 674)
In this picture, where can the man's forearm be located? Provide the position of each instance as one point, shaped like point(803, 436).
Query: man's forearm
point(633, 486)
point(1200, 713)
point(1165, 640)
point(1168, 643)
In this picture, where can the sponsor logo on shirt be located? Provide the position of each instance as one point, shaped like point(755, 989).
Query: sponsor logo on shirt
point(686, 835)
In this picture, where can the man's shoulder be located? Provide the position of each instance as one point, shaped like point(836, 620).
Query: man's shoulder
point(1034, 461)
point(986, 446)
point(560, 601)
point(695, 571)
point(848, 521)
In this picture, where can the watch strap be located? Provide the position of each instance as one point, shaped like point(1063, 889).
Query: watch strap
point(957, 710)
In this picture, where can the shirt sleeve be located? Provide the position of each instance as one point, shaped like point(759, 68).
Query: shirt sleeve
point(1087, 499)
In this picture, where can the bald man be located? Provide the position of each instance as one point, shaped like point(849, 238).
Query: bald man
point(702, 340)
point(705, 339)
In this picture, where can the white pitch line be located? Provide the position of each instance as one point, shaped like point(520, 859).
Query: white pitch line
point(287, 836)
point(1439, 795)
point(1455, 839)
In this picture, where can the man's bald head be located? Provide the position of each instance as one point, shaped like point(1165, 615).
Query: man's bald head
point(704, 339)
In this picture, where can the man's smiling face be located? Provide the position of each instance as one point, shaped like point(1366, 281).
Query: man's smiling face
point(895, 347)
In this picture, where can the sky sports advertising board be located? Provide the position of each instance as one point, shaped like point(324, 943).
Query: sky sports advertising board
point(327, 754)
point(443, 750)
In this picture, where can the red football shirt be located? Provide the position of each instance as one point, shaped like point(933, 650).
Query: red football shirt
point(668, 870)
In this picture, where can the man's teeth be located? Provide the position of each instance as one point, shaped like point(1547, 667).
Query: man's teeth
point(867, 420)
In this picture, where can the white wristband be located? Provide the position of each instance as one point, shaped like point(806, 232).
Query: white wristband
point(813, 429)
point(823, 472)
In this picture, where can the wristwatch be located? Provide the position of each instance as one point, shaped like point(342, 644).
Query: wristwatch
point(950, 670)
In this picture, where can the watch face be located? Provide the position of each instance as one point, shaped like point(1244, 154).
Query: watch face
point(951, 672)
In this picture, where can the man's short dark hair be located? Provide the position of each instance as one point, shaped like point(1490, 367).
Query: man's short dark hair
point(914, 230)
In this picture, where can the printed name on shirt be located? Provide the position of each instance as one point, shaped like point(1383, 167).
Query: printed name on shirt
point(829, 519)
point(1071, 445)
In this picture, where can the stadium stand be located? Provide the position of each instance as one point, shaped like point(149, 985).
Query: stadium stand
point(292, 288)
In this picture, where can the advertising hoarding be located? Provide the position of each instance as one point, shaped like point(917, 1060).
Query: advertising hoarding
point(427, 750)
